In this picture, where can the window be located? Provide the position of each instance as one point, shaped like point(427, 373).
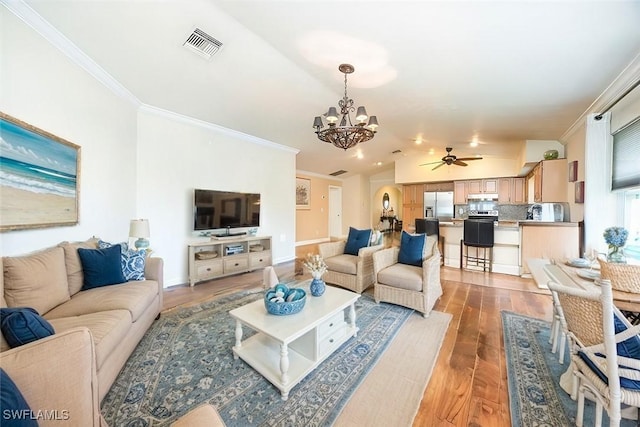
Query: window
point(626, 157)
point(632, 223)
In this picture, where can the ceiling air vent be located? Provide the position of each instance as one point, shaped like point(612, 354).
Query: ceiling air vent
point(202, 43)
point(396, 151)
point(336, 173)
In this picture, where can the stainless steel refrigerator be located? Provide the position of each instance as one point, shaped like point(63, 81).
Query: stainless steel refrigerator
point(438, 204)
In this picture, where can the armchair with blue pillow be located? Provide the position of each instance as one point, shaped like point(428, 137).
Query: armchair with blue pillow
point(409, 275)
point(349, 262)
point(605, 351)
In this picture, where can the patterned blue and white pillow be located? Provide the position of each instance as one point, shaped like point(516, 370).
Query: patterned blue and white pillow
point(133, 261)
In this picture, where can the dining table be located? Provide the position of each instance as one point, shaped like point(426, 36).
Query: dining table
point(564, 272)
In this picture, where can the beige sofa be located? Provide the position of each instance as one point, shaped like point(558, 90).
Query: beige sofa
point(117, 316)
point(57, 374)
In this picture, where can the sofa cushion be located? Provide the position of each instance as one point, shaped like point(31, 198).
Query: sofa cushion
point(38, 280)
point(401, 276)
point(135, 297)
point(75, 277)
point(12, 401)
point(22, 325)
point(342, 263)
point(356, 240)
point(133, 261)
point(411, 249)
point(101, 267)
point(108, 329)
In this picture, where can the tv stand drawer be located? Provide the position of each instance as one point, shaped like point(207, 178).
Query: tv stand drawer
point(236, 264)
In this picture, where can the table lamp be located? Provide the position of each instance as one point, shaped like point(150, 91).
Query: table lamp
point(140, 228)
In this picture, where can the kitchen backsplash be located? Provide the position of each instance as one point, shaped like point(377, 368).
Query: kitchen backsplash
point(506, 212)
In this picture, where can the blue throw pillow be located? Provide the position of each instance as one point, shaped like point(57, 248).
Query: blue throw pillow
point(411, 249)
point(133, 261)
point(101, 267)
point(21, 325)
point(628, 348)
point(14, 409)
point(356, 240)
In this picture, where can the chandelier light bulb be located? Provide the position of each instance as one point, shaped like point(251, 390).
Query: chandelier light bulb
point(361, 115)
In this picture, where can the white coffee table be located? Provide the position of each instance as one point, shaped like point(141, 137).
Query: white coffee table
point(286, 349)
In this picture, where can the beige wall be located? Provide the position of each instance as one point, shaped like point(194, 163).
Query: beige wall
point(312, 225)
point(356, 202)
point(574, 150)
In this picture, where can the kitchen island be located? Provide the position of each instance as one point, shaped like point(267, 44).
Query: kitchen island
point(515, 241)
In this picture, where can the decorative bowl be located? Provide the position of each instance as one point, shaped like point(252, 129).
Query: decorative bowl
point(550, 154)
point(291, 300)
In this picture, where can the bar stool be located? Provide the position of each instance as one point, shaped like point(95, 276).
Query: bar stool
point(431, 227)
point(478, 234)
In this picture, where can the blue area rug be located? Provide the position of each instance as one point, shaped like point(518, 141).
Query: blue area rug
point(185, 359)
point(535, 395)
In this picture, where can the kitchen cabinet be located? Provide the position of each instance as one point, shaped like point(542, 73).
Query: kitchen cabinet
point(460, 192)
point(474, 187)
point(413, 194)
point(550, 181)
point(439, 186)
point(511, 191)
point(409, 215)
point(412, 206)
point(479, 186)
point(517, 191)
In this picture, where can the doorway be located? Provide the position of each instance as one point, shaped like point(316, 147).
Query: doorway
point(335, 211)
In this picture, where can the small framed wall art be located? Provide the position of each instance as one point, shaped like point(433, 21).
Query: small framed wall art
point(573, 171)
point(579, 192)
point(303, 193)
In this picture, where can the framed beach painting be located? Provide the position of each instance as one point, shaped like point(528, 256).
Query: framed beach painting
point(303, 193)
point(39, 177)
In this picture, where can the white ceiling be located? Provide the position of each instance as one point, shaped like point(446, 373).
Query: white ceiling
point(446, 71)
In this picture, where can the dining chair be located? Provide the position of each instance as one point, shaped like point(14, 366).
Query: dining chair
point(558, 336)
point(604, 345)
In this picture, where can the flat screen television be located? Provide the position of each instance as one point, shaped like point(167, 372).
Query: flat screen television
point(225, 209)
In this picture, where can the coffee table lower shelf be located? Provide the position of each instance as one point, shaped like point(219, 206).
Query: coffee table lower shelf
point(264, 354)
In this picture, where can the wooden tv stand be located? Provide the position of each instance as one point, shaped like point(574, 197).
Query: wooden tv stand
point(224, 256)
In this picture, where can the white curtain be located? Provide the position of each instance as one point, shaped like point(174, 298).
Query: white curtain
point(600, 204)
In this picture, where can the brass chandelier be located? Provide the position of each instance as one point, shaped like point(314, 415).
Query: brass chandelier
point(345, 135)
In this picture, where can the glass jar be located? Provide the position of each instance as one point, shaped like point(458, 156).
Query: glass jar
point(616, 255)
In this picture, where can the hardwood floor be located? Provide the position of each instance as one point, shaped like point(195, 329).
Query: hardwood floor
point(468, 386)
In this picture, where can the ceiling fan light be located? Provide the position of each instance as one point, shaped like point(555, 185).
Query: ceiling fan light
point(373, 123)
point(332, 115)
point(361, 114)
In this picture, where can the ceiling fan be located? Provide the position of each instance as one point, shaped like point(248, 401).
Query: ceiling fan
point(450, 159)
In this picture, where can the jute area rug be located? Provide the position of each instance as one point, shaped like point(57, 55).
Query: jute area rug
point(185, 359)
point(533, 373)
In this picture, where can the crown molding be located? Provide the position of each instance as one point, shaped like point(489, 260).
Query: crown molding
point(66, 46)
point(625, 80)
point(213, 127)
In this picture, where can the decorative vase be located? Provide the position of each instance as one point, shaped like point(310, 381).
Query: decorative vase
point(616, 255)
point(317, 285)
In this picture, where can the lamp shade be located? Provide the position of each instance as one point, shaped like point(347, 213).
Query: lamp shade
point(139, 228)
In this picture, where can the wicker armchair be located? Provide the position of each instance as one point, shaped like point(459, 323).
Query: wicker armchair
point(592, 320)
point(348, 271)
point(410, 286)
